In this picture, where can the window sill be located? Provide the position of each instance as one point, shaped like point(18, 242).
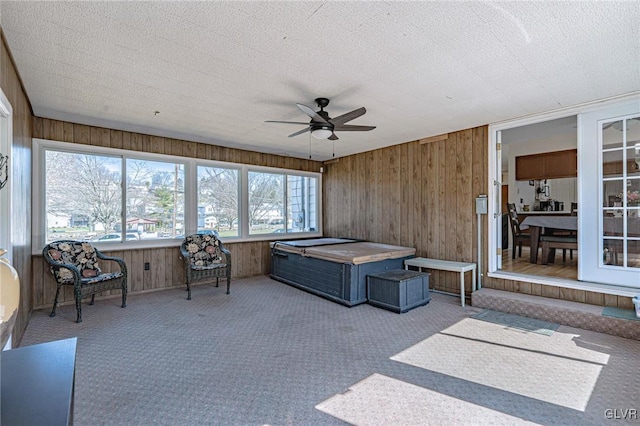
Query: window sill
point(164, 243)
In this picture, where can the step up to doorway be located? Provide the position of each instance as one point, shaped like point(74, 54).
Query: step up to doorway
point(573, 314)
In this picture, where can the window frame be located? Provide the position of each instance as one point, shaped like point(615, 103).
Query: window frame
point(191, 164)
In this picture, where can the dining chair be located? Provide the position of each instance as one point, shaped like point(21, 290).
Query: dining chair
point(574, 209)
point(551, 242)
point(520, 238)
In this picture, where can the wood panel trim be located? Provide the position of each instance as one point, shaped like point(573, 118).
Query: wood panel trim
point(437, 138)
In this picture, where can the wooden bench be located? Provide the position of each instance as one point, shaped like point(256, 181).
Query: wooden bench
point(446, 265)
point(550, 243)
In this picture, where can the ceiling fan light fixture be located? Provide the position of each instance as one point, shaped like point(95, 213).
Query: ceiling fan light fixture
point(321, 132)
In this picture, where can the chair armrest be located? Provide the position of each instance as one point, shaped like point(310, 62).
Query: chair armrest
point(120, 262)
point(227, 255)
point(54, 264)
point(184, 253)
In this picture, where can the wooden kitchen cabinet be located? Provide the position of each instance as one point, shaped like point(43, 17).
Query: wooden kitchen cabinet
point(614, 169)
point(548, 165)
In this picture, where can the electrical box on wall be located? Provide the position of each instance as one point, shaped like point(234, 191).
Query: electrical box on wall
point(481, 204)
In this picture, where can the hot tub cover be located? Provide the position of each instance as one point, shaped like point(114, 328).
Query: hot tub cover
point(344, 250)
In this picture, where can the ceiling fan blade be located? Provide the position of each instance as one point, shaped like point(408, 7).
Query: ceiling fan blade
point(311, 113)
point(341, 119)
point(288, 122)
point(299, 132)
point(350, 128)
point(333, 137)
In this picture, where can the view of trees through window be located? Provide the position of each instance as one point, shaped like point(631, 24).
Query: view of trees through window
point(155, 199)
point(117, 198)
point(83, 195)
point(218, 200)
point(266, 202)
point(84, 198)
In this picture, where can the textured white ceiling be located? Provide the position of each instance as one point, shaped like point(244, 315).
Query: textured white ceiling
point(217, 70)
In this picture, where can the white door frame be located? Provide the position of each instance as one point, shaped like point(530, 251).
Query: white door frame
point(494, 189)
point(591, 266)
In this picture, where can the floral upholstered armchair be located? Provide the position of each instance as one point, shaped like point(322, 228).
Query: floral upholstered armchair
point(205, 258)
point(75, 263)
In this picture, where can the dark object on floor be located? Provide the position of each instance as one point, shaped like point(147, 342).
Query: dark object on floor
point(75, 263)
point(38, 384)
point(398, 290)
point(205, 258)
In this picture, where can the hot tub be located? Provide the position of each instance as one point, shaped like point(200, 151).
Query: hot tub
point(334, 268)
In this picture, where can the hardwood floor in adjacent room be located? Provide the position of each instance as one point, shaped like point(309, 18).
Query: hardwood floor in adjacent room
point(559, 269)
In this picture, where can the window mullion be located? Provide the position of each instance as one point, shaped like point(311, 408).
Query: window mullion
point(123, 198)
point(244, 201)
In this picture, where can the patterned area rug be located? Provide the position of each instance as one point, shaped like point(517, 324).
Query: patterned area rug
point(516, 321)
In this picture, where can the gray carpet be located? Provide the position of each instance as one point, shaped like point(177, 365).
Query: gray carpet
point(271, 354)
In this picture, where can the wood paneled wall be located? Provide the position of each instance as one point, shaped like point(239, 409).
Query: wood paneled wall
point(249, 258)
point(419, 194)
point(166, 270)
point(422, 194)
point(20, 183)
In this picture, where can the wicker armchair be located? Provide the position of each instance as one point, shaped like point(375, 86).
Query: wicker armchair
point(75, 263)
point(205, 258)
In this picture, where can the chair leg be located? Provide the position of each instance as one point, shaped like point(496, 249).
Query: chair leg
point(124, 294)
point(217, 281)
point(188, 290)
point(564, 255)
point(520, 249)
point(55, 303)
point(545, 253)
point(93, 299)
point(513, 252)
point(78, 305)
point(228, 282)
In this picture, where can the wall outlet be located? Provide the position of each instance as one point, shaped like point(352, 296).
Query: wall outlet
point(147, 266)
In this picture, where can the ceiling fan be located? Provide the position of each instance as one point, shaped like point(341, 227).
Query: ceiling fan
point(322, 126)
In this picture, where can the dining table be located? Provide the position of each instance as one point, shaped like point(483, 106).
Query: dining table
point(612, 227)
point(537, 223)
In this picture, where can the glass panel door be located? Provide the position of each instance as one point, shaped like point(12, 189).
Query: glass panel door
point(620, 187)
point(609, 225)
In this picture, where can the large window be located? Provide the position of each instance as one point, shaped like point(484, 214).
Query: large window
point(266, 202)
point(281, 203)
point(155, 199)
point(138, 199)
point(218, 200)
point(83, 196)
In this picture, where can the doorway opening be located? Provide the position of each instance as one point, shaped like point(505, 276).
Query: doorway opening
point(539, 180)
